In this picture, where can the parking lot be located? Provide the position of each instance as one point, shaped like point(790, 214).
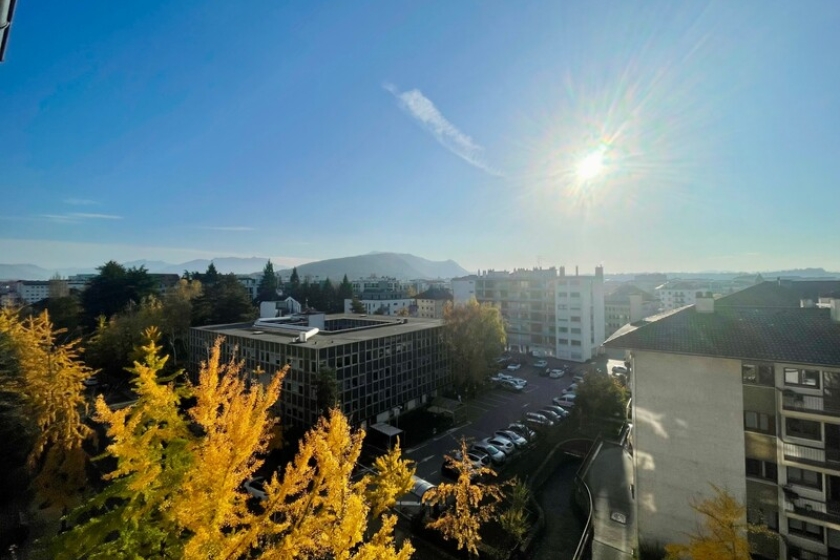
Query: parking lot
point(493, 410)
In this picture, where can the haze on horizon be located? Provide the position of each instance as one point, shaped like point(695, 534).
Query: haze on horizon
point(644, 136)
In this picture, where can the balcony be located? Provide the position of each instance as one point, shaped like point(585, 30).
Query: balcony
point(815, 509)
point(815, 404)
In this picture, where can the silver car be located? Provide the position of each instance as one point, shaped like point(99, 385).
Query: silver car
point(496, 455)
point(502, 443)
point(517, 440)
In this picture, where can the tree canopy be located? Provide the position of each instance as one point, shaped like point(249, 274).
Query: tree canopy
point(722, 532)
point(601, 397)
point(475, 335)
point(267, 289)
point(224, 301)
point(113, 288)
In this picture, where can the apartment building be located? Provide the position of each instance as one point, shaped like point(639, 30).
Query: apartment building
point(546, 312)
point(679, 293)
point(382, 365)
point(742, 392)
point(627, 304)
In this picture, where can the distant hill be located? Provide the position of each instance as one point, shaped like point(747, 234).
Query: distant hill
point(397, 265)
point(401, 266)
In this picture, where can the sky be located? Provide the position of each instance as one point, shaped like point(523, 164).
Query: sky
point(641, 136)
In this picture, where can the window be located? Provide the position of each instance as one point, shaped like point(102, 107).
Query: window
point(766, 470)
point(575, 330)
point(574, 294)
point(576, 343)
point(804, 529)
point(759, 422)
point(803, 477)
point(757, 374)
point(806, 429)
point(802, 377)
point(575, 319)
point(757, 516)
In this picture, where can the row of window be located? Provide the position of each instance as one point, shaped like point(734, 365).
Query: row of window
point(768, 470)
point(763, 374)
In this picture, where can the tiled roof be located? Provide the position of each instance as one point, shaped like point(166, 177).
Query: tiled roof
point(758, 323)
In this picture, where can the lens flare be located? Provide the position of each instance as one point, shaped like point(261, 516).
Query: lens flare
point(591, 166)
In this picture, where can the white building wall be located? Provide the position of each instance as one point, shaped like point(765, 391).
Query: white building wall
point(688, 432)
point(391, 306)
point(33, 292)
point(463, 290)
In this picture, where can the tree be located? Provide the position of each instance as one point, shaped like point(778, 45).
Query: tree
point(178, 303)
point(601, 397)
point(326, 390)
point(176, 491)
point(475, 336)
point(394, 477)
point(223, 301)
point(345, 291)
point(176, 485)
point(329, 297)
point(357, 306)
point(514, 520)
point(722, 532)
point(113, 289)
point(294, 283)
point(47, 380)
point(475, 502)
point(267, 289)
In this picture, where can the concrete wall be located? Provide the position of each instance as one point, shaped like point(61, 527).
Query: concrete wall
point(688, 432)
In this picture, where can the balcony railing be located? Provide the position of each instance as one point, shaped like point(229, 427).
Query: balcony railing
point(824, 511)
point(803, 454)
point(791, 400)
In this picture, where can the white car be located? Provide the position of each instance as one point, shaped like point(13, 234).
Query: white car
point(502, 443)
point(540, 364)
point(514, 367)
point(571, 388)
point(567, 401)
point(511, 385)
point(496, 455)
point(556, 373)
point(619, 369)
point(513, 437)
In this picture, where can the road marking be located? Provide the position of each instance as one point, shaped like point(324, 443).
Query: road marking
point(526, 405)
point(424, 459)
point(414, 449)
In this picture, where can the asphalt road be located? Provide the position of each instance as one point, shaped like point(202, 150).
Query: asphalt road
point(488, 412)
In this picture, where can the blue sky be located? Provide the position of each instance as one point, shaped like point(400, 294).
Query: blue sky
point(307, 130)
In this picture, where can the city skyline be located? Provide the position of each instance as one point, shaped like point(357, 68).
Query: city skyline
point(637, 136)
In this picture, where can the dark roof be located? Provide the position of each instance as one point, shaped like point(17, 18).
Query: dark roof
point(758, 323)
point(780, 294)
point(623, 292)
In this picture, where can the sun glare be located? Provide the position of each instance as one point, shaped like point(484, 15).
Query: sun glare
point(591, 166)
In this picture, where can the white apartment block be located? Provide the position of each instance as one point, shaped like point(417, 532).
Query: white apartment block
point(386, 307)
point(32, 291)
point(742, 392)
point(546, 312)
point(679, 293)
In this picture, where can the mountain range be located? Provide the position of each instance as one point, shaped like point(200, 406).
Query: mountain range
point(397, 265)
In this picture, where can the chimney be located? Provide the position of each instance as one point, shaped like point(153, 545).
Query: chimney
point(806, 303)
point(576, 270)
point(835, 310)
point(562, 271)
point(705, 303)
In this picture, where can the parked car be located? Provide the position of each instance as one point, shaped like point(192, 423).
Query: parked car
point(516, 439)
point(514, 367)
point(578, 378)
point(566, 401)
point(477, 460)
point(538, 420)
point(255, 487)
point(556, 373)
point(522, 430)
point(541, 364)
point(497, 456)
point(550, 414)
point(507, 446)
point(511, 385)
point(557, 410)
point(571, 388)
point(619, 369)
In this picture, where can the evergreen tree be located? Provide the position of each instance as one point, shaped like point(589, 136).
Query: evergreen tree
point(114, 287)
point(294, 280)
point(345, 291)
point(357, 306)
point(224, 301)
point(267, 289)
point(328, 297)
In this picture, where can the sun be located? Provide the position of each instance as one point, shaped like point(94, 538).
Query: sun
point(591, 166)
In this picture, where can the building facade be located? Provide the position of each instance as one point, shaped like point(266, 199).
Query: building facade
point(627, 304)
point(382, 365)
point(742, 392)
point(546, 312)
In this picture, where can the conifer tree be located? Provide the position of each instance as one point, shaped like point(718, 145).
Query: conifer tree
point(267, 289)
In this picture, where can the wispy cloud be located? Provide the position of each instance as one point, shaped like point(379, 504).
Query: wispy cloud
point(76, 217)
point(421, 108)
point(80, 202)
point(227, 228)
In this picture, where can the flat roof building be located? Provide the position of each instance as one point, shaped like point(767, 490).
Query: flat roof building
point(382, 365)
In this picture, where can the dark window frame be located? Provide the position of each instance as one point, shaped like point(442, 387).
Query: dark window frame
point(763, 423)
point(796, 475)
point(791, 429)
point(798, 377)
